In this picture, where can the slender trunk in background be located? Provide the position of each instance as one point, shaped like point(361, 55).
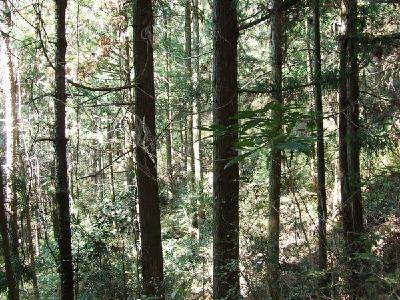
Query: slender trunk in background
point(13, 292)
point(9, 89)
point(60, 143)
point(276, 155)
point(198, 170)
point(55, 220)
point(24, 160)
point(321, 189)
point(226, 178)
point(168, 130)
point(31, 247)
point(189, 90)
point(146, 159)
point(110, 159)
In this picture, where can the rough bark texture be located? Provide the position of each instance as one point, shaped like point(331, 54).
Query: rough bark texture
point(343, 167)
point(276, 155)
point(13, 293)
point(353, 224)
point(226, 179)
point(321, 190)
point(60, 143)
point(353, 123)
point(9, 91)
point(146, 160)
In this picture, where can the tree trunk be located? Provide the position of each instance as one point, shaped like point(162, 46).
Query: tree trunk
point(9, 89)
point(353, 201)
point(31, 248)
point(110, 131)
point(198, 174)
point(321, 190)
point(13, 292)
point(226, 179)
point(276, 155)
point(60, 143)
point(189, 90)
point(168, 130)
point(353, 123)
point(146, 160)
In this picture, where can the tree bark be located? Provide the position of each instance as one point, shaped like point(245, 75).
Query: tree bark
point(353, 123)
point(13, 292)
point(276, 155)
point(321, 189)
point(60, 143)
point(226, 179)
point(353, 224)
point(146, 160)
point(198, 173)
point(9, 89)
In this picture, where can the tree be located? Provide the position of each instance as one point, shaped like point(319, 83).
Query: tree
point(198, 172)
point(168, 130)
point(146, 160)
point(189, 89)
point(9, 91)
point(318, 110)
point(60, 143)
point(225, 177)
point(13, 292)
point(349, 148)
point(277, 25)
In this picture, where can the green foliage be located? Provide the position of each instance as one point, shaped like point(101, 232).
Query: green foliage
point(257, 130)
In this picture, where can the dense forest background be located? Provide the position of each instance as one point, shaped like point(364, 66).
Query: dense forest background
point(186, 149)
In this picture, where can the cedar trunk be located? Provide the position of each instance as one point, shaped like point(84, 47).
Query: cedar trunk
point(146, 160)
point(198, 173)
point(226, 179)
point(276, 155)
point(321, 190)
point(60, 143)
point(9, 92)
point(13, 293)
point(354, 204)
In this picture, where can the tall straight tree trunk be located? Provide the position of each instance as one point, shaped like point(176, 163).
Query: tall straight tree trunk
point(9, 89)
point(226, 179)
point(146, 160)
point(13, 292)
point(353, 201)
point(31, 248)
point(60, 143)
point(198, 174)
point(343, 166)
point(276, 155)
point(353, 123)
point(321, 189)
point(189, 90)
point(168, 131)
point(110, 131)
point(346, 205)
